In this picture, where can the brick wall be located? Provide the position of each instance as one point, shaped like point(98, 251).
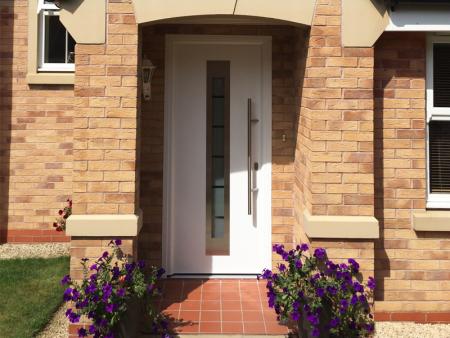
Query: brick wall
point(36, 124)
point(284, 108)
point(105, 127)
point(334, 155)
point(412, 268)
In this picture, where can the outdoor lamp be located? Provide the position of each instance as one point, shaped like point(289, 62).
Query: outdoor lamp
point(148, 70)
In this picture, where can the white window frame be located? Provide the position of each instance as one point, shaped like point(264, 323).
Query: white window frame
point(43, 11)
point(434, 201)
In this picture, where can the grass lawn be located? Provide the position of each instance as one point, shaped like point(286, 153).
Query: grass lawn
point(30, 293)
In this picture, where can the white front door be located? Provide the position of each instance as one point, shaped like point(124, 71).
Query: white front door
point(217, 203)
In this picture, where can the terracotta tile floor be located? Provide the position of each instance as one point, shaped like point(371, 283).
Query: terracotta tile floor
point(229, 306)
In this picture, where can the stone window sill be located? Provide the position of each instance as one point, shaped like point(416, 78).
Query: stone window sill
point(51, 78)
point(346, 227)
point(431, 220)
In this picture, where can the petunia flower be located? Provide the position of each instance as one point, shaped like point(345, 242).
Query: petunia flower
point(320, 253)
point(371, 283)
point(65, 280)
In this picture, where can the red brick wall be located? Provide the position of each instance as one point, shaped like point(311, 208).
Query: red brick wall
point(35, 139)
point(412, 268)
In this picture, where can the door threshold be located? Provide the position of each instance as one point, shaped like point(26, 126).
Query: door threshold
point(212, 276)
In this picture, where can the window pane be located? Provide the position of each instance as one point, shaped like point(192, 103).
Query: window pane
point(55, 40)
point(218, 228)
point(218, 110)
point(218, 172)
point(439, 156)
point(218, 141)
point(70, 49)
point(218, 84)
point(217, 157)
point(218, 202)
point(59, 46)
point(441, 75)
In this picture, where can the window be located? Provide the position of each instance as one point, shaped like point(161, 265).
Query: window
point(56, 45)
point(218, 157)
point(438, 121)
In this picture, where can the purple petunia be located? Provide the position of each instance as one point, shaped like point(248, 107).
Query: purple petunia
point(298, 264)
point(107, 290)
point(334, 322)
point(369, 327)
point(371, 283)
point(65, 280)
point(295, 316)
point(282, 267)
point(354, 300)
point(358, 287)
point(304, 247)
point(73, 317)
point(354, 264)
point(121, 292)
point(331, 290)
point(118, 242)
point(82, 332)
point(315, 332)
point(313, 319)
point(160, 272)
point(109, 308)
point(344, 304)
point(320, 253)
point(320, 292)
point(141, 264)
point(267, 274)
point(105, 254)
point(75, 295)
point(67, 296)
point(91, 329)
point(93, 267)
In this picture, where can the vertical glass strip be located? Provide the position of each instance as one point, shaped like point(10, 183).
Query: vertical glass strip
point(217, 157)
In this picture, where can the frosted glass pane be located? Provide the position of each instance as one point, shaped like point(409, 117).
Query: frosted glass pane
point(218, 228)
point(218, 171)
point(218, 202)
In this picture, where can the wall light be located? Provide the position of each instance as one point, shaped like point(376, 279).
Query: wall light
point(148, 69)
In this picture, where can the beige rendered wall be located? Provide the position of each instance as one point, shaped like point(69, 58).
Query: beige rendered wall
point(36, 138)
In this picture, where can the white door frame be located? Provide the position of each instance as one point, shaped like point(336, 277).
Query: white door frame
point(265, 192)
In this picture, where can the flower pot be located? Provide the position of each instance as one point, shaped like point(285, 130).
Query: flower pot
point(129, 325)
point(304, 327)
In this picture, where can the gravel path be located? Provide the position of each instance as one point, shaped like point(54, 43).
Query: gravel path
point(46, 250)
point(57, 327)
point(411, 330)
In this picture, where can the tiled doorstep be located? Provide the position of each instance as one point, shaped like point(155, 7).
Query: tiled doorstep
point(211, 307)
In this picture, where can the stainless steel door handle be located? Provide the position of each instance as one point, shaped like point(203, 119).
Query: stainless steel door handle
point(249, 157)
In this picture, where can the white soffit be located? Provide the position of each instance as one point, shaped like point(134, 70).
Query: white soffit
point(424, 18)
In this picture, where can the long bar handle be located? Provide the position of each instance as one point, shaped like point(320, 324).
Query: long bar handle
point(249, 157)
